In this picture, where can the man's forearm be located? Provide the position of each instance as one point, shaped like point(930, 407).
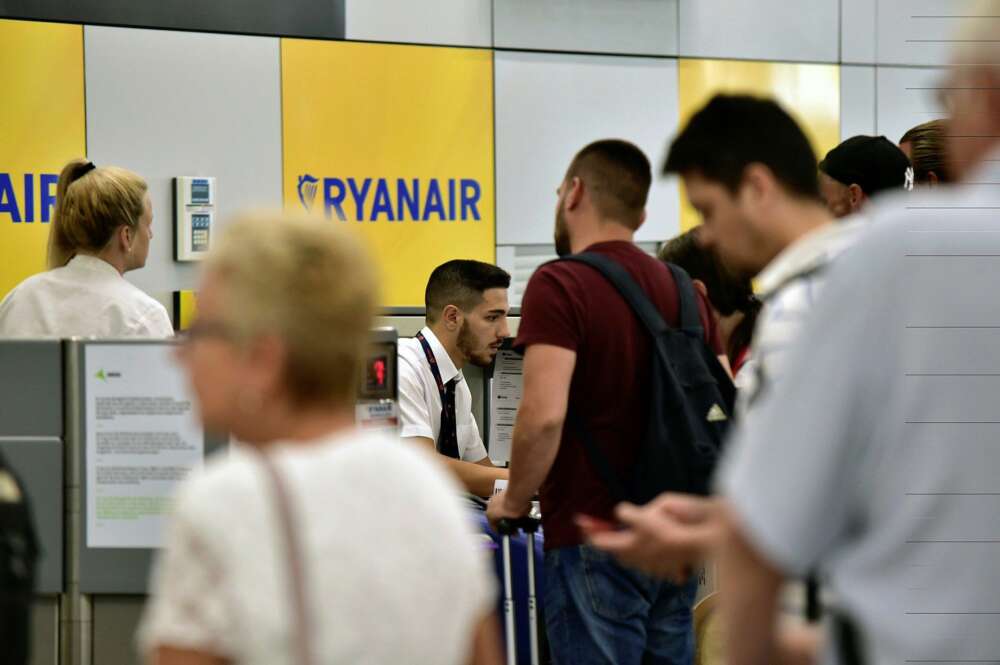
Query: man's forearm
point(534, 449)
point(750, 588)
point(478, 479)
point(548, 372)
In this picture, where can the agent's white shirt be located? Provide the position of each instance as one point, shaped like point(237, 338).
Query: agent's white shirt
point(393, 571)
point(420, 400)
point(85, 298)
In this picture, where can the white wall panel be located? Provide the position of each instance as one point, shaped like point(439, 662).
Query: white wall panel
point(640, 27)
point(906, 98)
point(168, 104)
point(453, 22)
point(858, 22)
point(804, 30)
point(521, 261)
point(549, 106)
point(857, 101)
point(918, 32)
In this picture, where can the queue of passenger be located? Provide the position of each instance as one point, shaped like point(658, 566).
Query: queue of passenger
point(844, 464)
point(314, 542)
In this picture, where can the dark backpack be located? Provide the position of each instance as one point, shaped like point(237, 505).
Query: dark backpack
point(18, 557)
point(691, 397)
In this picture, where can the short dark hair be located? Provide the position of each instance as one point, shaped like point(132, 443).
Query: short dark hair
point(726, 292)
point(461, 283)
point(618, 175)
point(733, 131)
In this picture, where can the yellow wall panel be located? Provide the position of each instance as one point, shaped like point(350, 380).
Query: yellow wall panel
point(397, 142)
point(185, 309)
point(42, 126)
point(811, 93)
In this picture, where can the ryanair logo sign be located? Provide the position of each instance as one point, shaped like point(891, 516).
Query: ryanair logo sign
point(37, 196)
point(392, 199)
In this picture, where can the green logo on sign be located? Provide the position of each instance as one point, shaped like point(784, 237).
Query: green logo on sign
point(100, 375)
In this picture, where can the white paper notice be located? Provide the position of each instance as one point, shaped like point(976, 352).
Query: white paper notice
point(505, 399)
point(142, 439)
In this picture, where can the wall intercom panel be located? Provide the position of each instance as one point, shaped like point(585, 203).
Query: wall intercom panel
point(194, 217)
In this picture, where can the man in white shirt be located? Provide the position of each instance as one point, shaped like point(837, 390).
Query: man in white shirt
point(467, 309)
point(887, 431)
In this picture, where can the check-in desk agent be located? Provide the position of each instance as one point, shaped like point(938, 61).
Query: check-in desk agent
point(101, 229)
point(466, 322)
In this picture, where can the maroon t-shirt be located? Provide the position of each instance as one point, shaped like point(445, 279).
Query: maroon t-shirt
point(573, 306)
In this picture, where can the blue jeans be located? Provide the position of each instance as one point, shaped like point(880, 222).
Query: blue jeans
point(598, 612)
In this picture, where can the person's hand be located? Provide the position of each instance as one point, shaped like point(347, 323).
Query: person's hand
point(666, 538)
point(798, 643)
point(499, 508)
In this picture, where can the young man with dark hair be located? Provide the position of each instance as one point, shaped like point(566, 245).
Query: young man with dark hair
point(858, 169)
point(750, 171)
point(587, 365)
point(467, 309)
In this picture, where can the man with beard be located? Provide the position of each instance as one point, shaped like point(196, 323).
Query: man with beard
point(587, 363)
point(467, 309)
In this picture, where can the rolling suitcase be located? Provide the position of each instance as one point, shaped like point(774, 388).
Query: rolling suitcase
point(508, 528)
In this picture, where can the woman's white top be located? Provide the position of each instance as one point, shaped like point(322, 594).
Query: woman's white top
point(87, 297)
point(393, 571)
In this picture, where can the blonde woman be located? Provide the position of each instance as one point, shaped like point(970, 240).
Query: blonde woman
point(316, 543)
point(101, 230)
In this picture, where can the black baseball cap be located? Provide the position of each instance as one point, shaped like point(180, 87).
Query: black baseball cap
point(874, 163)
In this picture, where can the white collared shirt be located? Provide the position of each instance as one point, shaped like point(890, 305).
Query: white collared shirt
point(87, 297)
point(788, 288)
point(420, 401)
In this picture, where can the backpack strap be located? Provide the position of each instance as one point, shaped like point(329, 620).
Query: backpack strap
point(687, 303)
point(650, 317)
point(627, 287)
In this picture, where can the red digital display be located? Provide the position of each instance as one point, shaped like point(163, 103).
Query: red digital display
point(377, 373)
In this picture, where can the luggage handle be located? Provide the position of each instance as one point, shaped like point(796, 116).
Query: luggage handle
point(508, 526)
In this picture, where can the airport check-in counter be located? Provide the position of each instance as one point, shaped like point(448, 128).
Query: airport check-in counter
point(101, 432)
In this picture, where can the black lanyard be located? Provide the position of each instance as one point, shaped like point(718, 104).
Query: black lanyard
point(433, 362)
point(447, 443)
